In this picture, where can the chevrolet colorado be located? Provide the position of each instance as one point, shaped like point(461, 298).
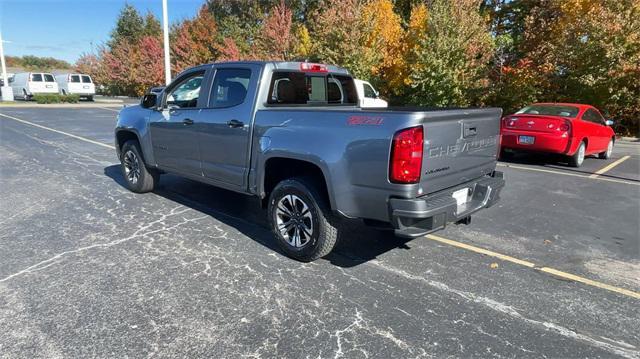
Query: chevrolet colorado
point(292, 134)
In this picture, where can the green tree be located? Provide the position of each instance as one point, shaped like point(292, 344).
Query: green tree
point(152, 25)
point(451, 59)
point(129, 26)
point(340, 37)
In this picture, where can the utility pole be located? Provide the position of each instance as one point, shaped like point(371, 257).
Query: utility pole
point(165, 32)
point(7, 91)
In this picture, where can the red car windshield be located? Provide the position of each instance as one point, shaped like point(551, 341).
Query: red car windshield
point(550, 110)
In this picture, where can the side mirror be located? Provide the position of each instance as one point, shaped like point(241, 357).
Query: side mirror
point(608, 122)
point(149, 100)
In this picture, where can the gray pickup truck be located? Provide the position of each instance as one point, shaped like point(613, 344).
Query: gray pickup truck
point(292, 134)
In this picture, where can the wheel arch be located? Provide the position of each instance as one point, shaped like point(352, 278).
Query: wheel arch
point(277, 168)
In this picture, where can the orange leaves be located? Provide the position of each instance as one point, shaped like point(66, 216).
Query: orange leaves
point(275, 39)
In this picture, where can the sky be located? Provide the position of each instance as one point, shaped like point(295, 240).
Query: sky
point(65, 29)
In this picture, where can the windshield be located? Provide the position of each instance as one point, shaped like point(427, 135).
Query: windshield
point(550, 110)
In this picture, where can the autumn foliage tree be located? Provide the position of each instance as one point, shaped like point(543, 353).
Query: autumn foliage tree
point(505, 53)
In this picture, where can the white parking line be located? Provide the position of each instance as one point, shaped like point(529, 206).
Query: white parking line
point(58, 131)
point(110, 109)
point(598, 178)
point(609, 167)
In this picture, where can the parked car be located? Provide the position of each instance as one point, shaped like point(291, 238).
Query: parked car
point(77, 84)
point(368, 96)
point(27, 84)
point(275, 131)
point(573, 130)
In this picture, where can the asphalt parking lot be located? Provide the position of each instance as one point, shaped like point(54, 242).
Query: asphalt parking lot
point(89, 269)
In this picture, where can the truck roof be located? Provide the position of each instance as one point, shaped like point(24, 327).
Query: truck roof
point(285, 65)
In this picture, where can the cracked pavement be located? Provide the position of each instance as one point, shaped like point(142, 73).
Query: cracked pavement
point(89, 269)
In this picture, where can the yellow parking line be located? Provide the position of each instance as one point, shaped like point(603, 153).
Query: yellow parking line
point(609, 167)
point(548, 270)
point(598, 178)
point(58, 131)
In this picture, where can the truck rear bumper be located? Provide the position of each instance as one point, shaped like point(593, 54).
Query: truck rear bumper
point(419, 216)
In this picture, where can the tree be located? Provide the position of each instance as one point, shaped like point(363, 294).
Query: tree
point(386, 38)
point(275, 39)
point(452, 56)
point(152, 25)
point(340, 37)
point(129, 26)
point(195, 41)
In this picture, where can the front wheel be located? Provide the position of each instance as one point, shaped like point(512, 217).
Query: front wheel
point(578, 158)
point(607, 154)
point(301, 220)
point(138, 177)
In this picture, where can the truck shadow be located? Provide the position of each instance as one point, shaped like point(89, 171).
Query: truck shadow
point(358, 244)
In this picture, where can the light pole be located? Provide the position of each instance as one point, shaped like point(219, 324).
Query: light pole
point(165, 33)
point(7, 91)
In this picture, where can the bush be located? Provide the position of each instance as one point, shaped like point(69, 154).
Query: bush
point(55, 98)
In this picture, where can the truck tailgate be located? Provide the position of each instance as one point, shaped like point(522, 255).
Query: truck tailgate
point(460, 145)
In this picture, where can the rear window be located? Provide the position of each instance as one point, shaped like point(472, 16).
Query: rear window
point(75, 78)
point(86, 79)
point(299, 88)
point(36, 77)
point(550, 110)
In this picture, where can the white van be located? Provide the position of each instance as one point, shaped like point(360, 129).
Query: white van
point(78, 84)
point(27, 84)
point(367, 96)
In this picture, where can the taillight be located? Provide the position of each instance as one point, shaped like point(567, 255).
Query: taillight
point(565, 127)
point(406, 155)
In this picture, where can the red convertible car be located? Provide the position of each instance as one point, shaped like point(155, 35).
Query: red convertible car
point(573, 130)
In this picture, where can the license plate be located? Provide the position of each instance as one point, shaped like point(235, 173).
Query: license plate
point(49, 86)
point(526, 140)
point(461, 196)
point(85, 87)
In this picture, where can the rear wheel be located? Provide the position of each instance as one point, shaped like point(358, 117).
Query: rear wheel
point(578, 158)
point(90, 98)
point(301, 220)
point(139, 178)
point(607, 153)
point(25, 96)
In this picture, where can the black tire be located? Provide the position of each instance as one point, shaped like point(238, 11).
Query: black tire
point(578, 158)
point(130, 160)
point(506, 155)
point(90, 98)
point(64, 92)
point(607, 153)
point(324, 224)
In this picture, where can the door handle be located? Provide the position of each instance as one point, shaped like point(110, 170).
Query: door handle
point(187, 121)
point(235, 123)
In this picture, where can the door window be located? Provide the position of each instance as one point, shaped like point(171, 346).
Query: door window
point(592, 116)
point(86, 79)
point(369, 92)
point(36, 77)
point(49, 78)
point(187, 92)
point(75, 78)
point(229, 87)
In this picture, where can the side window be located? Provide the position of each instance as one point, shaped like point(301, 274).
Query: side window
point(369, 92)
point(185, 94)
point(86, 79)
point(591, 116)
point(75, 78)
point(36, 77)
point(599, 118)
point(49, 78)
point(229, 87)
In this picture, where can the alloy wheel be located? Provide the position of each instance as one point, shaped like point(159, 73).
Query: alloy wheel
point(131, 167)
point(294, 220)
